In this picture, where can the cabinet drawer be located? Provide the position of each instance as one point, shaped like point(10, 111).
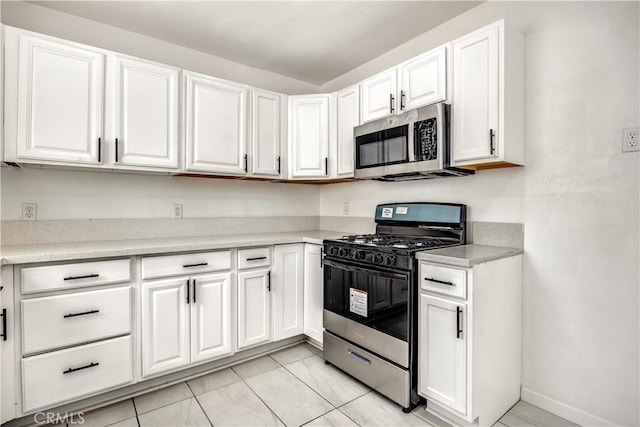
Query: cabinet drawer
point(67, 276)
point(191, 263)
point(64, 320)
point(254, 257)
point(443, 280)
point(72, 373)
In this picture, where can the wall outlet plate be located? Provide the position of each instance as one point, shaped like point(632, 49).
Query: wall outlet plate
point(177, 211)
point(631, 139)
point(345, 208)
point(29, 211)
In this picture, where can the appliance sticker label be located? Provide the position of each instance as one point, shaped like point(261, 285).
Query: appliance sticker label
point(387, 212)
point(358, 301)
point(402, 210)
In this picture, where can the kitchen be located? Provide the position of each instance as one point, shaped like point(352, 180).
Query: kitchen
point(576, 195)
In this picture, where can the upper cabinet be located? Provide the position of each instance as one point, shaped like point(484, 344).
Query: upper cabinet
point(309, 136)
point(266, 133)
point(348, 117)
point(378, 96)
point(59, 90)
point(215, 125)
point(488, 98)
point(144, 113)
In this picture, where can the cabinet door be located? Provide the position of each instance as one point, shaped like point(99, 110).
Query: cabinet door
point(378, 96)
point(348, 118)
point(216, 125)
point(266, 133)
point(254, 308)
point(210, 317)
point(165, 326)
point(475, 96)
point(145, 113)
point(60, 100)
point(313, 291)
point(442, 366)
point(309, 135)
point(423, 80)
point(287, 290)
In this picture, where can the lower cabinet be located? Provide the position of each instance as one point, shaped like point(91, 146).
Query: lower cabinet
point(313, 291)
point(254, 308)
point(287, 291)
point(185, 320)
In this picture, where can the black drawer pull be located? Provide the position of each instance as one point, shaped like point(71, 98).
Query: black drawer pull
point(88, 276)
point(256, 258)
point(4, 324)
point(430, 279)
point(359, 358)
point(66, 316)
point(200, 264)
point(90, 365)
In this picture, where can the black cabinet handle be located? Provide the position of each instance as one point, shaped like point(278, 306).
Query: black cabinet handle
point(99, 150)
point(458, 322)
point(88, 276)
point(194, 290)
point(279, 164)
point(90, 365)
point(401, 100)
point(391, 99)
point(256, 258)
point(188, 291)
point(246, 163)
point(117, 151)
point(66, 316)
point(326, 166)
point(492, 137)
point(430, 279)
point(4, 324)
point(200, 264)
point(269, 280)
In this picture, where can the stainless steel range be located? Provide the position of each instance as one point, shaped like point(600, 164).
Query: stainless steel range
point(371, 293)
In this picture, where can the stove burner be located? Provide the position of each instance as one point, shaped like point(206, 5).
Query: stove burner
point(401, 242)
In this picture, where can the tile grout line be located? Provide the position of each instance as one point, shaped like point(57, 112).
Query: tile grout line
point(163, 406)
point(346, 403)
point(263, 402)
point(199, 405)
point(135, 409)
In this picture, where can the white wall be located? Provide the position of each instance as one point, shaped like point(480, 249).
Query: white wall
point(578, 197)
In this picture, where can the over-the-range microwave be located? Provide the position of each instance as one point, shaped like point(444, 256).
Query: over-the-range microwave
point(412, 145)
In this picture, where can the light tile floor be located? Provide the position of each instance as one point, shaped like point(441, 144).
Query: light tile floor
point(290, 387)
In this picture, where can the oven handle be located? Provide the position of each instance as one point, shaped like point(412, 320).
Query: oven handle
point(371, 271)
point(359, 358)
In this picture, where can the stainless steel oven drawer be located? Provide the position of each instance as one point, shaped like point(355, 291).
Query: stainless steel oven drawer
point(377, 373)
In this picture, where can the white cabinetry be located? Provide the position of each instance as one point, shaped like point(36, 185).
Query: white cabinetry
point(309, 136)
point(144, 113)
point(378, 96)
point(488, 98)
point(216, 125)
point(468, 356)
point(423, 79)
point(348, 117)
point(254, 308)
point(211, 317)
point(313, 291)
point(287, 291)
point(266, 133)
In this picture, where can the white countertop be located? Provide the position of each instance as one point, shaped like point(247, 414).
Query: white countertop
point(467, 255)
point(22, 254)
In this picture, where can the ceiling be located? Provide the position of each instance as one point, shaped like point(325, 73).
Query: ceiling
point(313, 41)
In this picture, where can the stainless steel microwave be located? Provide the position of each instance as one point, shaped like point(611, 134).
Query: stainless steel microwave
point(412, 145)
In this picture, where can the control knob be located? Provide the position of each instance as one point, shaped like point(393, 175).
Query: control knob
point(391, 260)
point(358, 255)
point(333, 250)
point(342, 252)
point(377, 258)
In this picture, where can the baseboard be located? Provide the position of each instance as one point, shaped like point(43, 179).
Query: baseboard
point(563, 410)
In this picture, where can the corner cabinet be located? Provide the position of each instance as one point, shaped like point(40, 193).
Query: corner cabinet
point(469, 339)
point(309, 136)
point(488, 98)
point(348, 117)
point(215, 125)
point(313, 291)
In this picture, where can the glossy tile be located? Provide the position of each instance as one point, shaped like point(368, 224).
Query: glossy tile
point(180, 414)
point(525, 414)
point(373, 409)
point(110, 414)
point(213, 381)
point(255, 367)
point(293, 354)
point(333, 418)
point(129, 422)
point(236, 405)
point(329, 382)
point(156, 399)
point(288, 397)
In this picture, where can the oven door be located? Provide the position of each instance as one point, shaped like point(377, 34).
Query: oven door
point(373, 298)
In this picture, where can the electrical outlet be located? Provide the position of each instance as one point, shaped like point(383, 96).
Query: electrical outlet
point(29, 211)
point(345, 208)
point(631, 139)
point(177, 211)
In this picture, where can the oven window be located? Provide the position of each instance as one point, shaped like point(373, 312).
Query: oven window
point(382, 148)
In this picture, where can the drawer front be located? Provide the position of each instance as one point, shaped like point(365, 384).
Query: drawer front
point(254, 257)
point(78, 275)
point(185, 264)
point(77, 372)
point(443, 280)
point(64, 320)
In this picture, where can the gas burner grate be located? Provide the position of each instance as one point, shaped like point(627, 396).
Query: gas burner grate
point(403, 242)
